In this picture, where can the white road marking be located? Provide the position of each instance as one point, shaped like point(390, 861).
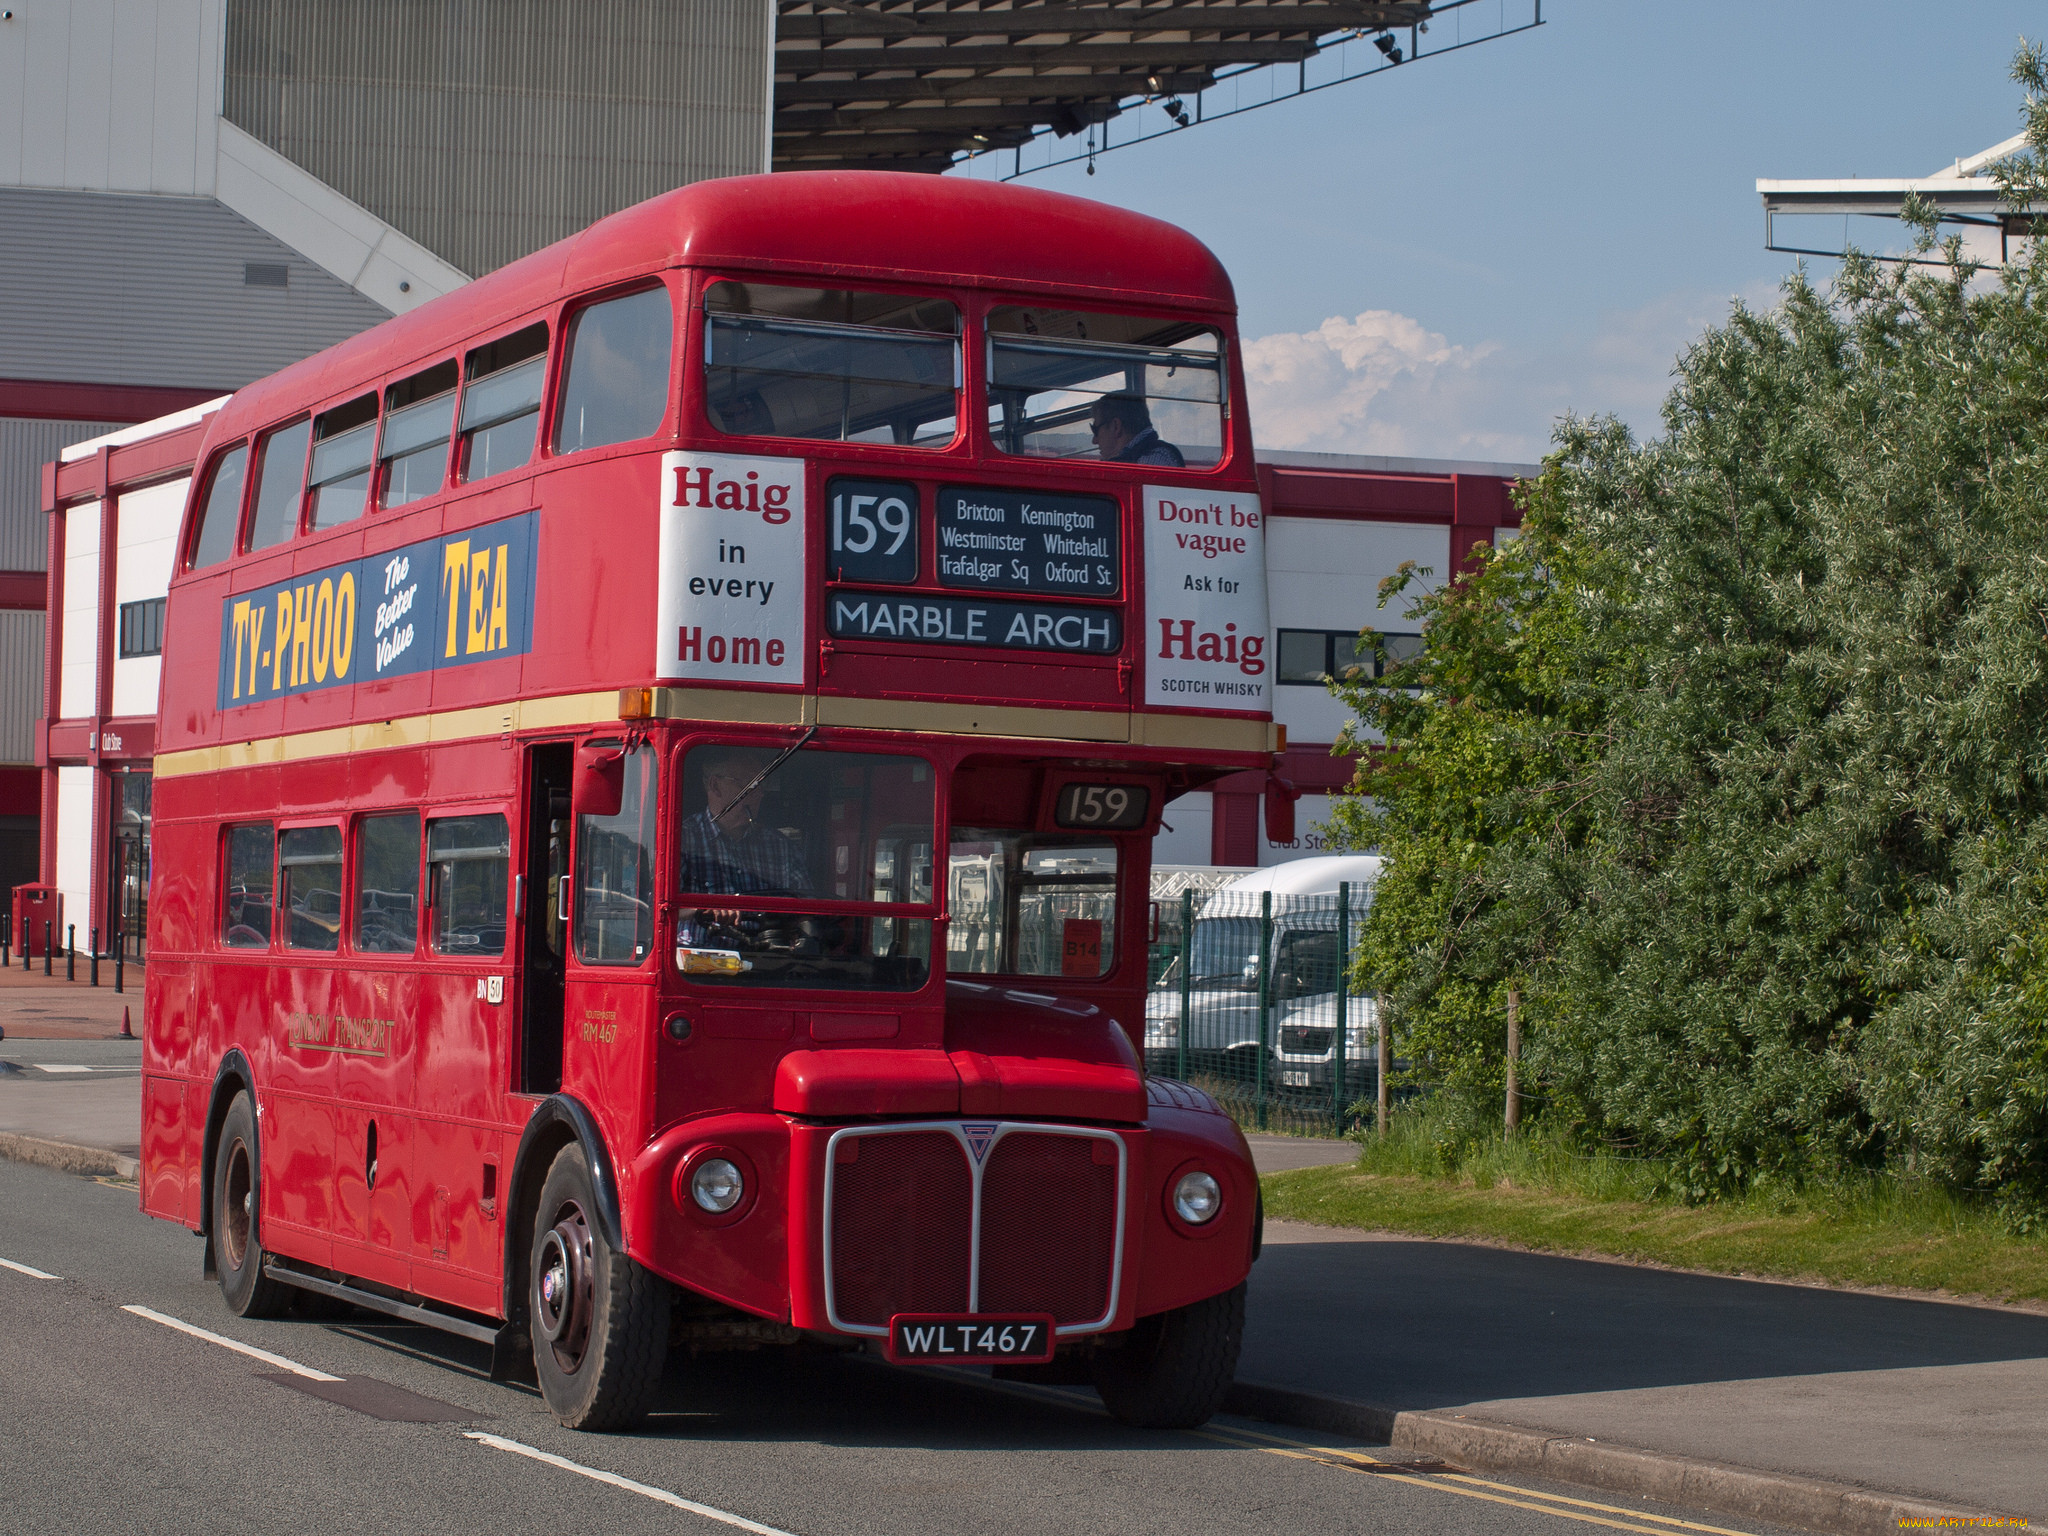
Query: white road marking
point(45, 1066)
point(659, 1495)
point(235, 1344)
point(23, 1269)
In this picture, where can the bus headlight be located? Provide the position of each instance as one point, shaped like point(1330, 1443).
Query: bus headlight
point(717, 1185)
point(1197, 1198)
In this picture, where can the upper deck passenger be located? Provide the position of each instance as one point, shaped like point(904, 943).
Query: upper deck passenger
point(1121, 425)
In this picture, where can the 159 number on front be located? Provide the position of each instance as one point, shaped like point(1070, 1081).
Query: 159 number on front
point(1104, 807)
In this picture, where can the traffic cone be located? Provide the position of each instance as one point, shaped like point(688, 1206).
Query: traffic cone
point(126, 1032)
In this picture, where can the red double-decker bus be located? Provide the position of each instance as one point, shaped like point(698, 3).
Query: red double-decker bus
point(656, 764)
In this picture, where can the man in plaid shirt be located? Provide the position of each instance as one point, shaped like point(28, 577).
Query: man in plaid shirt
point(731, 854)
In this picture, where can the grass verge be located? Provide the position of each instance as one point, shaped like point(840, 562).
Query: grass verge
point(1540, 1195)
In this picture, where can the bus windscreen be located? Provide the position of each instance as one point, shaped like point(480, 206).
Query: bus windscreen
point(831, 363)
point(1130, 389)
point(832, 829)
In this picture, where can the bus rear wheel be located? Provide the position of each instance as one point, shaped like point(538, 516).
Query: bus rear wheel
point(599, 1321)
point(1175, 1367)
point(236, 1237)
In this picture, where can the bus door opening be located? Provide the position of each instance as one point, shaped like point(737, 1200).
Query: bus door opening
point(545, 921)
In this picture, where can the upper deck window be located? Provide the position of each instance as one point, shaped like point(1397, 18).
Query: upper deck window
point(344, 441)
point(616, 386)
point(501, 402)
point(223, 510)
point(282, 472)
point(418, 415)
point(1128, 389)
point(831, 363)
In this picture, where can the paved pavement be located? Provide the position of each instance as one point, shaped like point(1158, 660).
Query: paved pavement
point(1936, 1399)
point(113, 1419)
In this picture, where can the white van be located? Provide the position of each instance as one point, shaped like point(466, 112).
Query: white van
point(1307, 969)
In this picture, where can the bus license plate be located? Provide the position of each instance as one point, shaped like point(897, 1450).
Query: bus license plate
point(960, 1338)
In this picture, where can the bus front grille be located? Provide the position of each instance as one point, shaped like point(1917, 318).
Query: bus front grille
point(901, 1209)
point(1048, 1226)
point(901, 1215)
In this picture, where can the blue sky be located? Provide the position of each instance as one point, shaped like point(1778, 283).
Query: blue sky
point(1439, 260)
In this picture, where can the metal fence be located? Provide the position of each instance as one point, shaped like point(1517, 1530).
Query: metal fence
point(1255, 1004)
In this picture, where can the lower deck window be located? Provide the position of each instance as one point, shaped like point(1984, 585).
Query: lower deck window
point(309, 864)
point(248, 900)
point(1024, 905)
point(388, 884)
point(471, 859)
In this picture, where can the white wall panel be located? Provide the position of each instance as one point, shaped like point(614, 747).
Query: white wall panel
point(78, 666)
point(146, 533)
point(1310, 812)
point(74, 843)
point(1322, 573)
point(111, 95)
point(1184, 832)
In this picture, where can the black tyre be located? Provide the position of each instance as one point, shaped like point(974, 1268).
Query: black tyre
point(1174, 1367)
point(237, 1200)
point(599, 1321)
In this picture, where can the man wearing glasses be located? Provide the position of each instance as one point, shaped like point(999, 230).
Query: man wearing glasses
point(1121, 425)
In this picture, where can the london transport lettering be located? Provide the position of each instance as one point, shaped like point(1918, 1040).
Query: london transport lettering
point(1205, 600)
point(730, 603)
point(444, 602)
point(1028, 541)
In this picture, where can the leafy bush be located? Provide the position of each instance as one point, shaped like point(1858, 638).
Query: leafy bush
point(1736, 763)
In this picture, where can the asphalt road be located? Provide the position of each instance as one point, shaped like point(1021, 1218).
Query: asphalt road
point(112, 1419)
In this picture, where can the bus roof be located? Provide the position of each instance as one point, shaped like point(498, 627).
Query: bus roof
point(848, 225)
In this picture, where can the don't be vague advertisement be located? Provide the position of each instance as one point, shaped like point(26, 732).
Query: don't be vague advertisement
point(1205, 601)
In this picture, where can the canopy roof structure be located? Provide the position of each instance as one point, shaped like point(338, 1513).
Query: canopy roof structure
point(917, 85)
point(1964, 193)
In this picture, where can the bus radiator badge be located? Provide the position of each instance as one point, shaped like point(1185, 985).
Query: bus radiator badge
point(979, 1139)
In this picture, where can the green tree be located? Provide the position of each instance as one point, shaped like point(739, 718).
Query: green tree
point(1737, 762)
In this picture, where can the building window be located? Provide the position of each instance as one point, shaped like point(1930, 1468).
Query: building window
point(1311, 657)
point(142, 628)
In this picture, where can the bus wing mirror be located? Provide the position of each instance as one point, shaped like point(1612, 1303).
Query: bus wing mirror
point(600, 784)
point(1280, 798)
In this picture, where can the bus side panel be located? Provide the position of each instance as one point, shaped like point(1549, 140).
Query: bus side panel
point(374, 1232)
point(577, 640)
point(298, 1176)
point(170, 1151)
point(290, 1039)
point(464, 1247)
point(606, 1022)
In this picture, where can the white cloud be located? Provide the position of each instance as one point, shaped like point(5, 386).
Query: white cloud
point(1316, 389)
point(1382, 383)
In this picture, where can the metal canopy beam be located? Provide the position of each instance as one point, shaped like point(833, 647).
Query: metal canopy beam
point(917, 83)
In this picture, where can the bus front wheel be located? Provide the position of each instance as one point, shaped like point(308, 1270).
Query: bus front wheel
point(237, 1195)
point(1174, 1367)
point(599, 1321)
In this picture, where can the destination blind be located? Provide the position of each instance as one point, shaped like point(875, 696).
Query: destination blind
point(1029, 541)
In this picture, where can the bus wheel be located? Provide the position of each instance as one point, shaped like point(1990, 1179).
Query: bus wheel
point(1175, 1366)
point(237, 1246)
point(600, 1322)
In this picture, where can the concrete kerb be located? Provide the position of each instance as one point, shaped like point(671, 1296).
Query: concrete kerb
point(1814, 1504)
point(67, 1156)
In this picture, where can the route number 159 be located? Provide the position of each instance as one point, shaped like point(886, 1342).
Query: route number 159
point(874, 531)
point(1105, 807)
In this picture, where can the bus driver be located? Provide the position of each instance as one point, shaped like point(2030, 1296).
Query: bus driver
point(725, 849)
point(1121, 425)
